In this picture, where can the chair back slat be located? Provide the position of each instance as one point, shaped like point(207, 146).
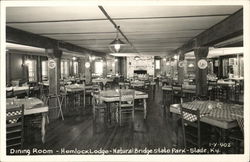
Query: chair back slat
point(14, 127)
point(190, 118)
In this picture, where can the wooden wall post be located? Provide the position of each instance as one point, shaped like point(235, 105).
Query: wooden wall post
point(39, 69)
point(105, 68)
point(180, 68)
point(54, 55)
point(81, 67)
point(88, 70)
point(201, 74)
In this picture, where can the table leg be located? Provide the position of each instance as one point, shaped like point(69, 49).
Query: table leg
point(145, 108)
point(43, 131)
point(84, 99)
point(163, 98)
point(154, 91)
point(223, 140)
point(108, 113)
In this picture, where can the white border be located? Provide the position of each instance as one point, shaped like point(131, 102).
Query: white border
point(173, 158)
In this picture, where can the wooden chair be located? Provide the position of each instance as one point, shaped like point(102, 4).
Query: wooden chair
point(190, 121)
point(212, 89)
point(14, 127)
point(63, 95)
point(88, 93)
point(176, 92)
point(34, 89)
point(44, 91)
point(236, 91)
point(188, 91)
point(98, 106)
point(236, 137)
point(126, 105)
point(167, 93)
point(191, 128)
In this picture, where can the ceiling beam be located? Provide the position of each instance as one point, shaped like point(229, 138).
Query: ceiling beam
point(121, 18)
point(230, 27)
point(26, 38)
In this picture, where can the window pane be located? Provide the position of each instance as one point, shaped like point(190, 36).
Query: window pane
point(66, 70)
point(31, 69)
point(75, 67)
point(157, 64)
point(98, 68)
point(44, 70)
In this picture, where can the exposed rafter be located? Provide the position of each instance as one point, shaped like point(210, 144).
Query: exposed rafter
point(230, 27)
point(26, 38)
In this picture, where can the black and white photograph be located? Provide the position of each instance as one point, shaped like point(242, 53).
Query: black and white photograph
point(116, 81)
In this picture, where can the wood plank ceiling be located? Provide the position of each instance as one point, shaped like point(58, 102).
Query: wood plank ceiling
point(154, 30)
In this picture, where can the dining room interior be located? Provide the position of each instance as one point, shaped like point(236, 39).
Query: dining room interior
point(106, 79)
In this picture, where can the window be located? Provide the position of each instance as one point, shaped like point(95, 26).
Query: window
point(32, 71)
point(241, 66)
point(75, 67)
point(44, 70)
point(64, 69)
point(99, 67)
point(157, 64)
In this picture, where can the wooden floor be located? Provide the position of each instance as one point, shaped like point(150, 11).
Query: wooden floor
point(79, 131)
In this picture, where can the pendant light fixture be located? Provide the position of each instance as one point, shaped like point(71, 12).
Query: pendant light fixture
point(116, 44)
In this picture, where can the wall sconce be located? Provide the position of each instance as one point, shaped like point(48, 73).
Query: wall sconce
point(191, 65)
point(136, 58)
point(116, 60)
point(27, 62)
point(92, 58)
point(164, 59)
point(87, 64)
point(175, 57)
point(74, 58)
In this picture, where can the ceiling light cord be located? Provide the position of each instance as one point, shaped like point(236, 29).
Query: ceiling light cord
point(117, 32)
point(117, 27)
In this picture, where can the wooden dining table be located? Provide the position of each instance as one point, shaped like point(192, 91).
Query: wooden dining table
point(110, 96)
point(224, 82)
point(218, 114)
point(20, 90)
point(32, 105)
point(102, 80)
point(222, 115)
point(79, 88)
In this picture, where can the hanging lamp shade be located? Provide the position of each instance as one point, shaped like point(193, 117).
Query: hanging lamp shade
point(116, 44)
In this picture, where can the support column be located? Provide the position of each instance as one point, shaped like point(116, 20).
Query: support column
point(54, 69)
point(88, 66)
point(81, 67)
point(105, 69)
point(8, 68)
point(201, 72)
point(39, 69)
point(220, 68)
point(181, 68)
point(125, 67)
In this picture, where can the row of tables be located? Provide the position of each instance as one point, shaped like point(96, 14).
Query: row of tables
point(34, 105)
